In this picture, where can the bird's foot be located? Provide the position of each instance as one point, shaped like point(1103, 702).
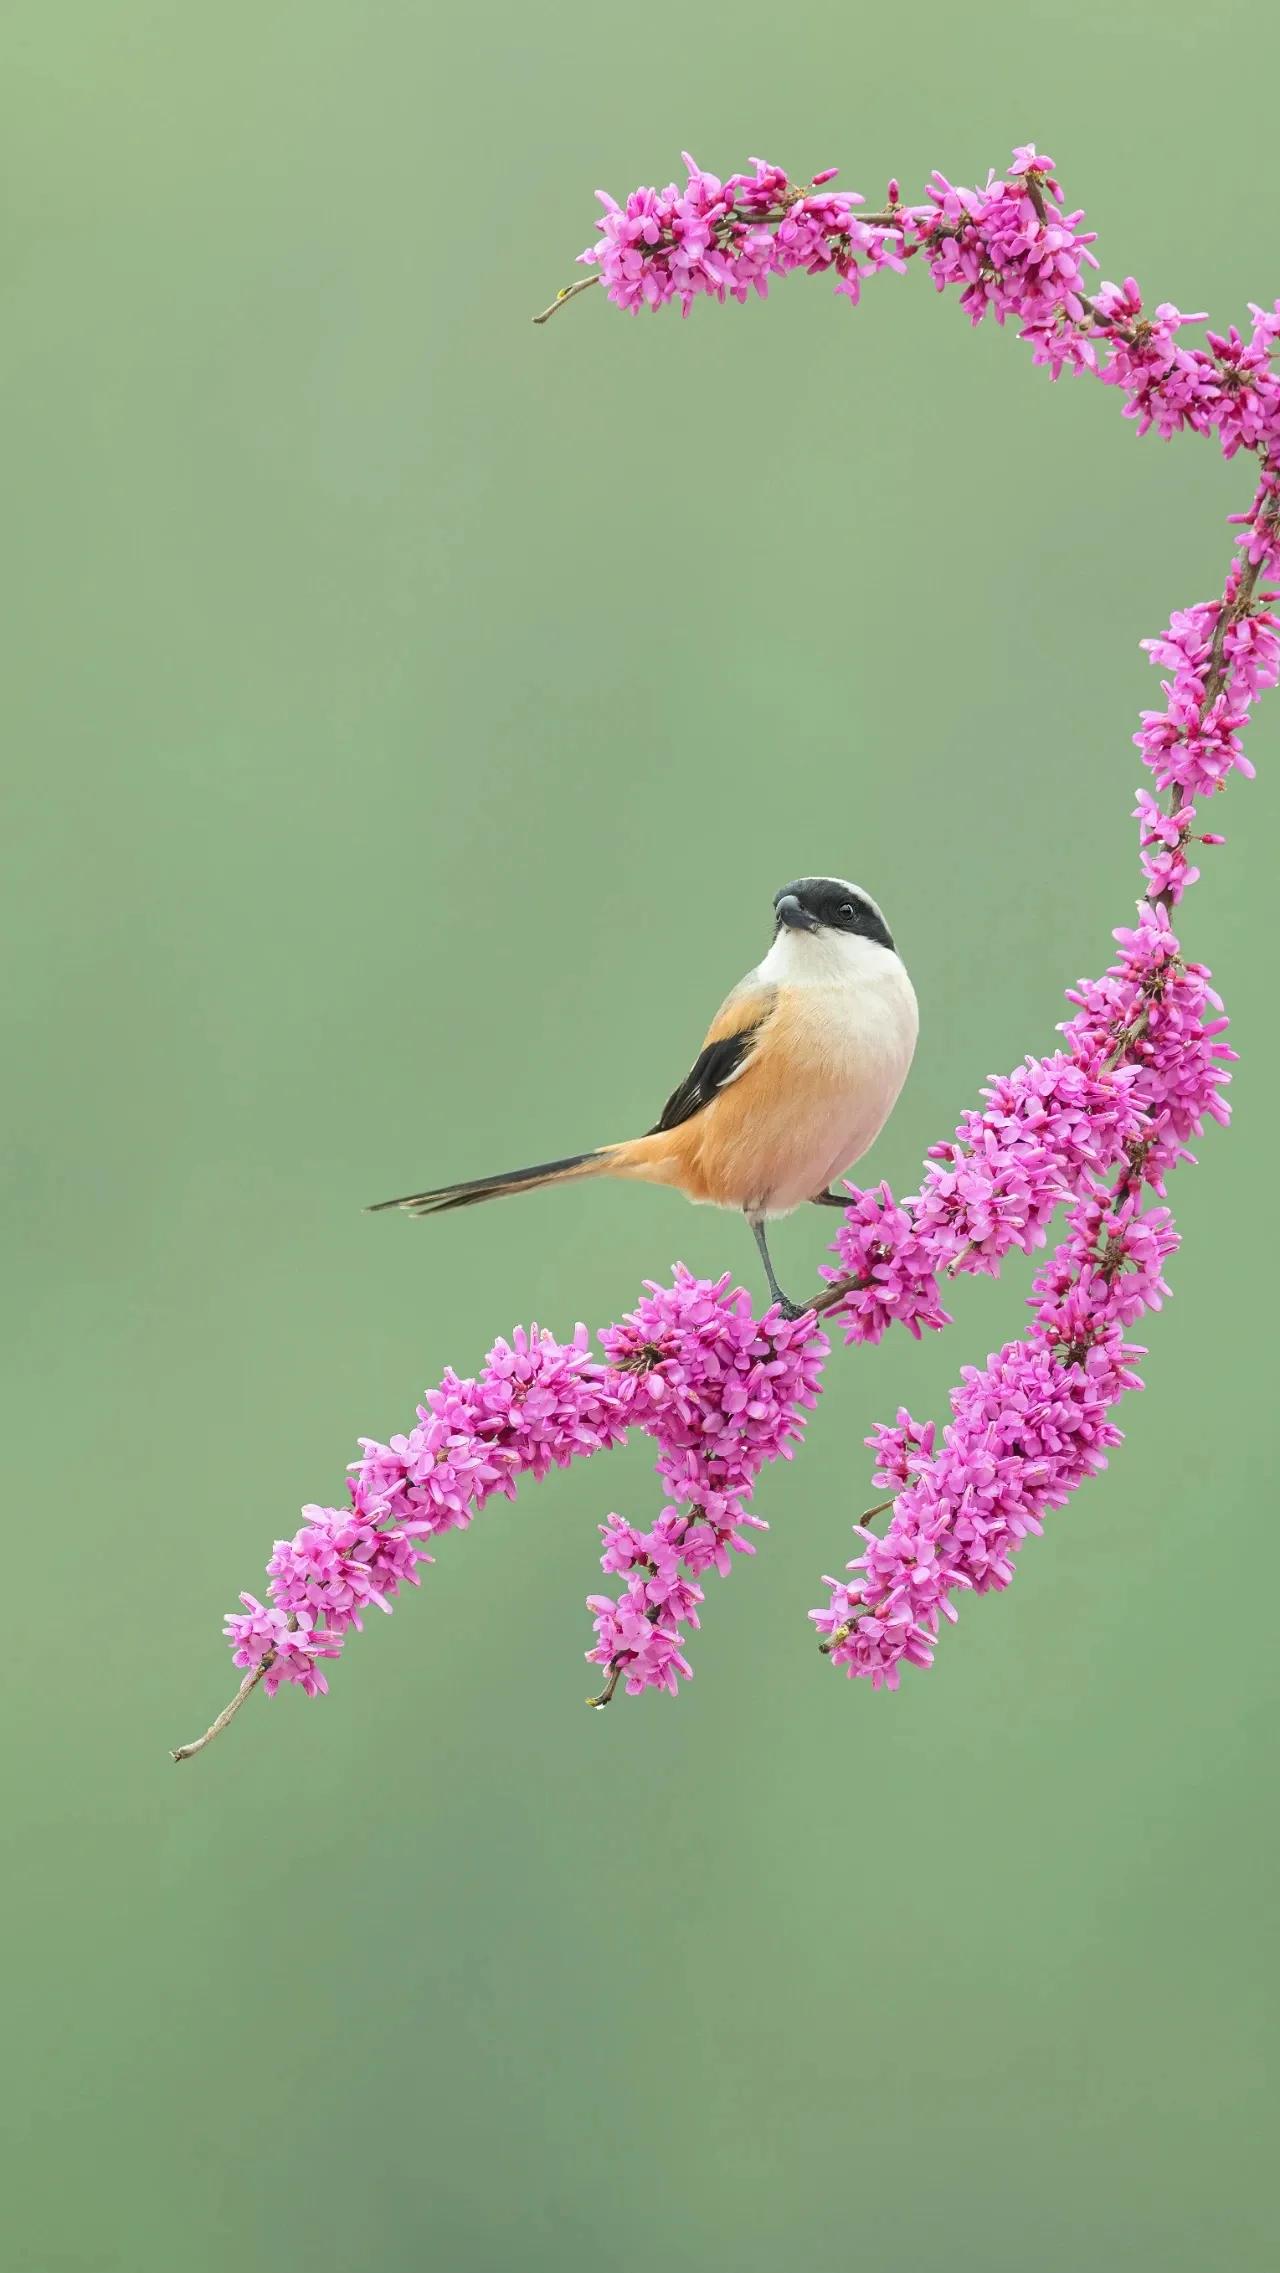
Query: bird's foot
point(831, 1199)
point(793, 1310)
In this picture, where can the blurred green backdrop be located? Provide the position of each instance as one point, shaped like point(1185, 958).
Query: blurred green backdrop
point(410, 716)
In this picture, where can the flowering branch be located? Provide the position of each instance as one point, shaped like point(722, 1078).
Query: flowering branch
point(1092, 1128)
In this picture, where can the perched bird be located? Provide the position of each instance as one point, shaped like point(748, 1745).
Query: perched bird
point(799, 1072)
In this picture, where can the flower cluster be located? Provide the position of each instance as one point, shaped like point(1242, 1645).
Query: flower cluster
point(536, 1404)
point(1011, 251)
point(719, 1391)
point(1221, 657)
point(1026, 1430)
point(1045, 1128)
point(721, 1394)
point(1164, 1012)
point(1007, 247)
point(1144, 1070)
point(1045, 1131)
point(887, 1271)
point(726, 239)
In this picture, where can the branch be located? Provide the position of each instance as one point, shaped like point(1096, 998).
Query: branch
point(228, 1713)
point(721, 1392)
point(562, 298)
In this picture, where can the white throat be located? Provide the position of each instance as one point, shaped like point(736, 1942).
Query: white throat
point(823, 958)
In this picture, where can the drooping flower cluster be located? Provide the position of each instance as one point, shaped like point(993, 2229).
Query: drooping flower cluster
point(1026, 1429)
point(1093, 1127)
point(722, 1394)
point(1051, 1132)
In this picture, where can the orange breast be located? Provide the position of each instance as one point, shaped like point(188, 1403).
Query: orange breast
point(812, 1097)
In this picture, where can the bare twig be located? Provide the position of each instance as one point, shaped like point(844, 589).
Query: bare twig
point(228, 1713)
point(955, 1264)
point(881, 1507)
point(605, 1696)
point(562, 298)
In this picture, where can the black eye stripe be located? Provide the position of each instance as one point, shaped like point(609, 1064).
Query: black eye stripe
point(839, 906)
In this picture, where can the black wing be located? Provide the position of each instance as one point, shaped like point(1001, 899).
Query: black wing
point(715, 1065)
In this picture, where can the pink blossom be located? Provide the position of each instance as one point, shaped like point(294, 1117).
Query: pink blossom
point(722, 1394)
point(1045, 1127)
point(718, 239)
point(1162, 846)
point(1165, 1013)
point(646, 1648)
point(290, 1646)
point(895, 1269)
point(900, 1449)
point(1012, 251)
point(1026, 1430)
point(1008, 248)
point(338, 1564)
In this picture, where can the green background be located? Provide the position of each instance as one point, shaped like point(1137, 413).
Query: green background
point(410, 715)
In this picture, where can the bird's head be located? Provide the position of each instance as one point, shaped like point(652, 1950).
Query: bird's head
point(832, 906)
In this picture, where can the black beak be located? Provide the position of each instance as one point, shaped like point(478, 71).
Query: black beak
point(789, 911)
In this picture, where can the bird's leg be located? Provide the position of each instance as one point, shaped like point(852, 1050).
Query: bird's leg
point(831, 1199)
point(788, 1308)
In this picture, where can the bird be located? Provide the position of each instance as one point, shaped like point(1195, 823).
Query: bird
point(799, 1071)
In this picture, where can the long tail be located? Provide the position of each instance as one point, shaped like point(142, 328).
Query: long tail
point(467, 1195)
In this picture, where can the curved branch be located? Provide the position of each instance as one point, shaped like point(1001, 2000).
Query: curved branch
point(228, 1713)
